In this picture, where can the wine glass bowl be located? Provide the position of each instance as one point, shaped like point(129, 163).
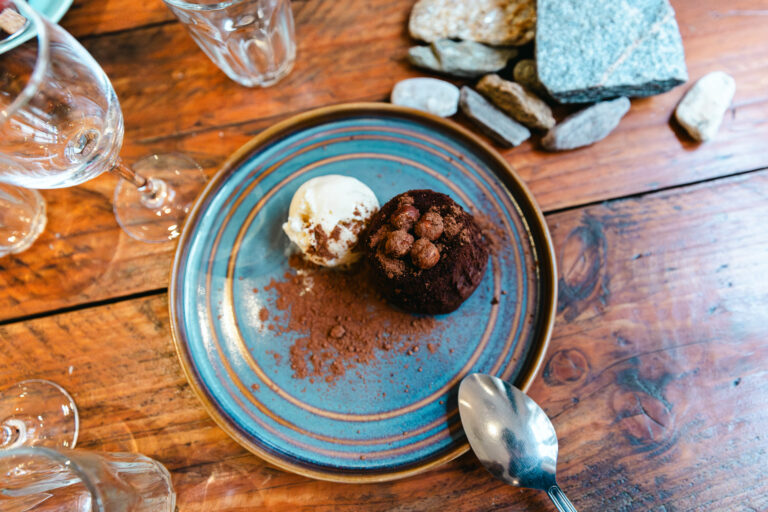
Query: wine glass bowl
point(61, 125)
point(60, 121)
point(37, 479)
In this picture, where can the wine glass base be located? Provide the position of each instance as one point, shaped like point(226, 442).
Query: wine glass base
point(160, 219)
point(37, 413)
point(26, 209)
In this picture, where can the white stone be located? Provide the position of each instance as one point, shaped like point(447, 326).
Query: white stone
point(702, 108)
point(11, 21)
point(428, 94)
point(494, 22)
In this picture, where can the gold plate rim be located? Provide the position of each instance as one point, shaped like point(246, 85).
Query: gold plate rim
point(547, 277)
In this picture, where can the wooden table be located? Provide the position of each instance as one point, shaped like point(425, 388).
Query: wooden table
point(657, 375)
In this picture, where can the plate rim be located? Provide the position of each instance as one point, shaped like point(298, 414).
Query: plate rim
point(546, 265)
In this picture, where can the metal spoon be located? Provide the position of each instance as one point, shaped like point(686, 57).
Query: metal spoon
point(511, 435)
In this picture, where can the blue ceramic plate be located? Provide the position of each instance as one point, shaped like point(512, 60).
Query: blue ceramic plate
point(365, 427)
point(52, 9)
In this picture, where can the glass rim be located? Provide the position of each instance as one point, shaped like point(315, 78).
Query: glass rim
point(41, 63)
point(192, 6)
point(97, 502)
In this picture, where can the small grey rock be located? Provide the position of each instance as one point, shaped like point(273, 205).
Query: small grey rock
point(516, 101)
point(702, 108)
point(464, 59)
point(586, 126)
point(428, 94)
point(496, 22)
point(424, 57)
point(492, 121)
point(470, 59)
point(589, 51)
point(525, 74)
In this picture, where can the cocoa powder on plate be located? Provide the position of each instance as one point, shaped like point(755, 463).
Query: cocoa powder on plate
point(341, 320)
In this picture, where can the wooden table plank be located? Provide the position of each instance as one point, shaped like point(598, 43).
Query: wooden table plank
point(655, 377)
point(178, 100)
point(344, 54)
point(88, 18)
point(347, 53)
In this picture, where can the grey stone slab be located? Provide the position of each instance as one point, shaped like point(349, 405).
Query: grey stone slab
point(597, 49)
point(465, 59)
point(492, 121)
point(586, 126)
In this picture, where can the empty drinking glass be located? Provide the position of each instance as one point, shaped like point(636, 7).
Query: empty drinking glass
point(252, 41)
point(22, 218)
point(42, 479)
point(61, 125)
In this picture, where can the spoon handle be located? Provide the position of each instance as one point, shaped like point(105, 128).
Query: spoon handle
point(560, 500)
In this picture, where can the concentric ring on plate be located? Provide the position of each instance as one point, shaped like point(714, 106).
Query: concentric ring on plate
point(222, 354)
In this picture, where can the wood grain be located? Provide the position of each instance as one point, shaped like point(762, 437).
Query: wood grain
point(175, 99)
point(349, 54)
point(88, 18)
point(655, 378)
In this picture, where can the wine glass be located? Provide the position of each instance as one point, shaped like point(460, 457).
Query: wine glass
point(37, 413)
point(61, 125)
point(45, 480)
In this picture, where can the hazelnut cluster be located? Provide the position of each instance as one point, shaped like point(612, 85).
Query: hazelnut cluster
point(427, 229)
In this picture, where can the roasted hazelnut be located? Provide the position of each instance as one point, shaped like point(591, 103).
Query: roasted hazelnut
point(429, 226)
point(398, 243)
point(337, 332)
point(424, 254)
point(404, 217)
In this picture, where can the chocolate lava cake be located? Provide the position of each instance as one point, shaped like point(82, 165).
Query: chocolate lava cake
point(426, 253)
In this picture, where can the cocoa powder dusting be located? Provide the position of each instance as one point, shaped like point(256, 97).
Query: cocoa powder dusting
point(320, 247)
point(495, 234)
point(313, 299)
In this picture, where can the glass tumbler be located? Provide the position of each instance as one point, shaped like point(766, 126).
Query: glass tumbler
point(41, 479)
point(252, 41)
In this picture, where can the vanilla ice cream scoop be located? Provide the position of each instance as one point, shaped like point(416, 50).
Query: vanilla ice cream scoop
point(326, 216)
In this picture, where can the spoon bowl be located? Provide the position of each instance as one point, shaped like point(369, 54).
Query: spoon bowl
point(511, 435)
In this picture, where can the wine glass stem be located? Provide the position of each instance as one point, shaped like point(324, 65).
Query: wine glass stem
point(123, 171)
point(154, 192)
